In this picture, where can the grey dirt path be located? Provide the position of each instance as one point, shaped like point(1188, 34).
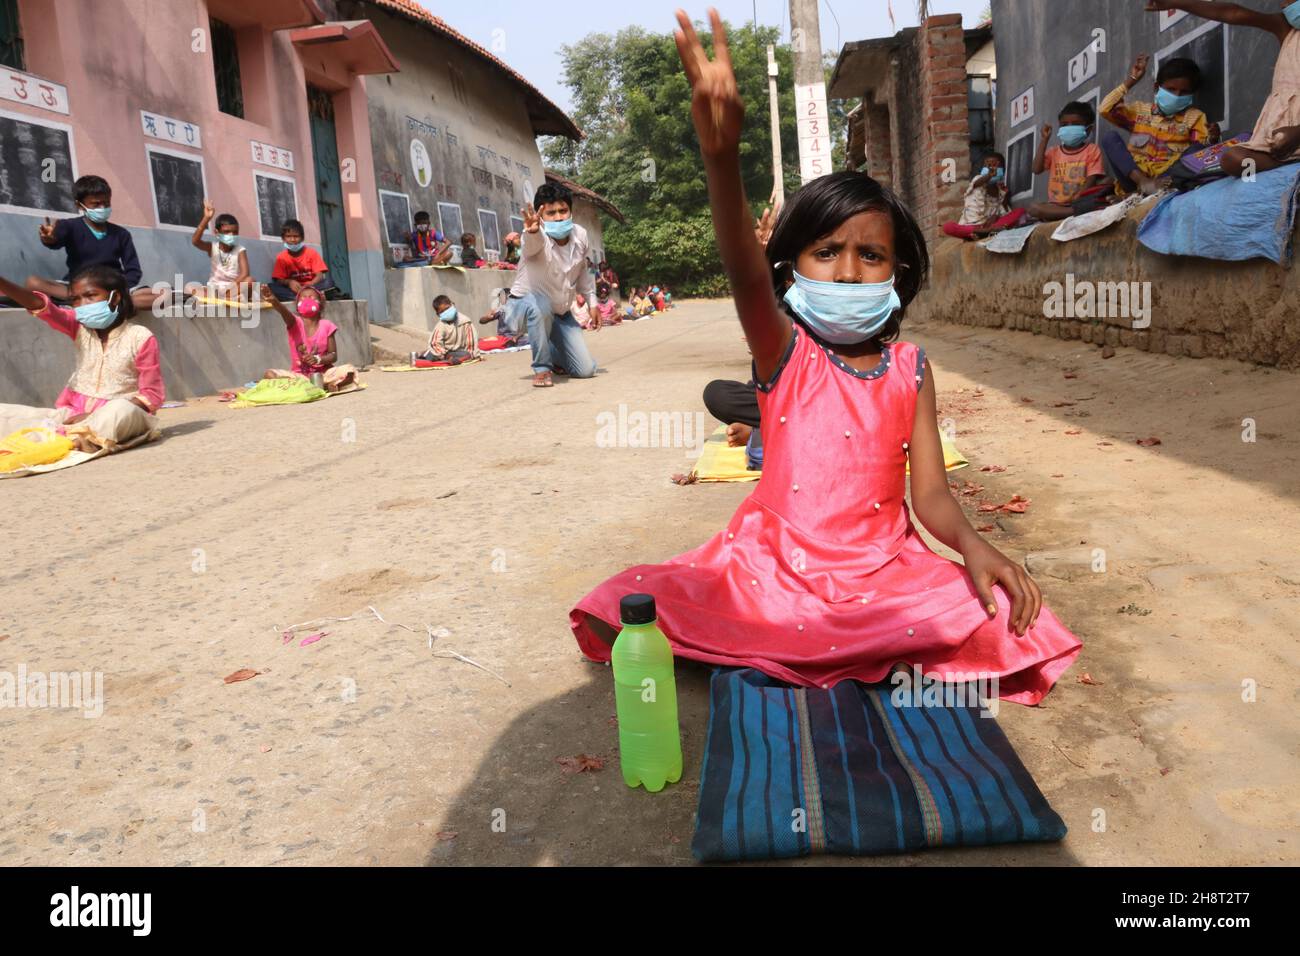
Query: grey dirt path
point(481, 507)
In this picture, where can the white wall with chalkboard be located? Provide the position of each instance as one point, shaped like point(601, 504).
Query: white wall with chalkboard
point(396, 210)
point(450, 223)
point(38, 165)
point(277, 201)
point(178, 184)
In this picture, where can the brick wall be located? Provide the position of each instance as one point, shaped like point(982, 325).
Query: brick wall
point(879, 148)
point(942, 52)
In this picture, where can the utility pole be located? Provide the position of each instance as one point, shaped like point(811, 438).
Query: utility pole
point(778, 171)
point(810, 91)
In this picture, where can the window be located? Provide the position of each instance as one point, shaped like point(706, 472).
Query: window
point(449, 222)
point(489, 230)
point(516, 224)
point(11, 37)
point(1020, 164)
point(979, 112)
point(225, 62)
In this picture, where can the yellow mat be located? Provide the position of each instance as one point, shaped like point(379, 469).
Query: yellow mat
point(208, 300)
point(721, 462)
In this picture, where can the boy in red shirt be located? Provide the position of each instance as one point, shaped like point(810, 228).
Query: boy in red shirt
point(1076, 166)
point(298, 266)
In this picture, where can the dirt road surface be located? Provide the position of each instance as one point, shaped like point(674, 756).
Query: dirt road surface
point(469, 502)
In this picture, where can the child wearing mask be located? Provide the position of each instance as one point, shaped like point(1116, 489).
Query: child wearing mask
point(1159, 132)
point(1276, 139)
point(229, 258)
point(298, 266)
point(91, 240)
point(428, 245)
point(312, 346)
point(984, 210)
point(1075, 166)
point(453, 338)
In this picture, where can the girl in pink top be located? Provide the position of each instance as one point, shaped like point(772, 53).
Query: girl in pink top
point(116, 358)
point(311, 340)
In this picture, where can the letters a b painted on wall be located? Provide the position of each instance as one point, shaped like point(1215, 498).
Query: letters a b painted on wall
point(1022, 107)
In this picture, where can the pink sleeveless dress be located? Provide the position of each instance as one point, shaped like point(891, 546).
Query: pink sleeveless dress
point(820, 575)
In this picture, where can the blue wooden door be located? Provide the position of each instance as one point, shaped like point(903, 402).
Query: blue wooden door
point(329, 188)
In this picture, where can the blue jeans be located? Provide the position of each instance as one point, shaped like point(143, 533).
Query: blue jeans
point(556, 340)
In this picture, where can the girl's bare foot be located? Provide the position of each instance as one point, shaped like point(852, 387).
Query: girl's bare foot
point(738, 434)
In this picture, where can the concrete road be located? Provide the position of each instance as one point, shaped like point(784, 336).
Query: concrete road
point(469, 503)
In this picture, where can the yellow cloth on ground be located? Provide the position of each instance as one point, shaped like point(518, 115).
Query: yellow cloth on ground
point(32, 446)
point(721, 462)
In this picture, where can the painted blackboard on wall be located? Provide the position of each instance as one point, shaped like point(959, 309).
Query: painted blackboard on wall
point(36, 167)
point(178, 187)
point(1020, 164)
point(397, 216)
point(277, 201)
point(450, 222)
point(489, 231)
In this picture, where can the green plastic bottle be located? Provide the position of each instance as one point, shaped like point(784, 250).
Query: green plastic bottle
point(645, 692)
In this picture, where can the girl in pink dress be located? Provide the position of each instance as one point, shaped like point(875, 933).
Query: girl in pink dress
point(311, 340)
point(820, 576)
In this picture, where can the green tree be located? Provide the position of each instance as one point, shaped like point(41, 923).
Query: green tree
point(632, 100)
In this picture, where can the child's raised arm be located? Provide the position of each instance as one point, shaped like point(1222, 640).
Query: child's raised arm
point(25, 299)
point(719, 117)
point(270, 299)
point(197, 240)
point(1040, 154)
point(1237, 15)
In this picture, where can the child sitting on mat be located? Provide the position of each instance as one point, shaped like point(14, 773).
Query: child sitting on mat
point(453, 338)
point(229, 259)
point(1159, 132)
point(1276, 139)
point(116, 384)
point(605, 306)
point(311, 340)
point(1076, 167)
point(820, 576)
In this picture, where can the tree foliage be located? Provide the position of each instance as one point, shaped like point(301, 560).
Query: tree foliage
point(632, 100)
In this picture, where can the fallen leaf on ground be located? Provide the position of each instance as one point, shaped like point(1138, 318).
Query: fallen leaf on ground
point(580, 763)
point(242, 674)
point(1165, 771)
point(1016, 505)
point(1087, 679)
point(1058, 476)
point(987, 506)
point(1148, 442)
point(265, 749)
point(994, 468)
point(970, 488)
point(1105, 443)
point(1074, 431)
point(1064, 404)
point(445, 835)
point(681, 479)
point(987, 527)
point(1071, 375)
point(1027, 401)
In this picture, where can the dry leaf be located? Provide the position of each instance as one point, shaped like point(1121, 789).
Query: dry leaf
point(1071, 375)
point(1148, 442)
point(987, 527)
point(580, 763)
point(265, 748)
point(445, 835)
point(1087, 679)
point(1016, 505)
point(1058, 476)
point(987, 506)
point(239, 675)
point(1027, 401)
point(970, 488)
point(1064, 404)
point(995, 469)
point(1074, 431)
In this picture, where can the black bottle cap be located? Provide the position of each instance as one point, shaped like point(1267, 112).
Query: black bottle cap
point(637, 609)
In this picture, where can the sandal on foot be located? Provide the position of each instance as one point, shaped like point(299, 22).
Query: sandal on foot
point(543, 380)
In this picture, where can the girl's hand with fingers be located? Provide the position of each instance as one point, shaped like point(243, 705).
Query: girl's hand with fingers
point(716, 107)
point(987, 566)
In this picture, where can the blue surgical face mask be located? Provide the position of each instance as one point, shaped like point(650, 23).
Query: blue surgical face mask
point(228, 241)
point(558, 228)
point(448, 314)
point(1171, 104)
point(98, 215)
point(97, 315)
point(1072, 136)
point(1292, 14)
point(843, 313)
point(295, 247)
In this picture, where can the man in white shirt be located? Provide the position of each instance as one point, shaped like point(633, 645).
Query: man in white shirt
point(552, 270)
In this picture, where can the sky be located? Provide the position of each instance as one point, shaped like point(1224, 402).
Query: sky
point(528, 35)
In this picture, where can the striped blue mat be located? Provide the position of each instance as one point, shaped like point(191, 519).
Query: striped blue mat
point(859, 770)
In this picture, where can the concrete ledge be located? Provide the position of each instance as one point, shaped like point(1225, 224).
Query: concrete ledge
point(1199, 307)
point(411, 293)
point(200, 355)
